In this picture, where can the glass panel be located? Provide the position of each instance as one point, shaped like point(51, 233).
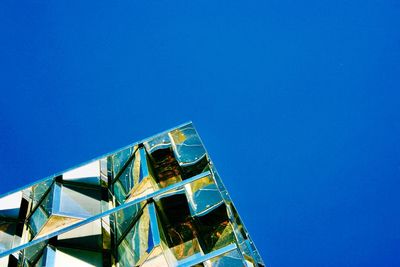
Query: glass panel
point(127, 177)
point(161, 141)
point(39, 190)
point(40, 262)
point(218, 182)
point(184, 243)
point(143, 167)
point(203, 195)
point(126, 254)
point(179, 227)
point(187, 145)
point(199, 166)
point(40, 216)
point(243, 239)
point(119, 192)
point(143, 176)
point(166, 168)
point(37, 220)
point(119, 159)
point(88, 236)
point(33, 253)
point(79, 202)
point(7, 231)
point(125, 218)
point(215, 229)
point(134, 247)
point(230, 259)
point(47, 202)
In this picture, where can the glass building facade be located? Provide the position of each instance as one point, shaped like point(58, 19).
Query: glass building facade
point(158, 202)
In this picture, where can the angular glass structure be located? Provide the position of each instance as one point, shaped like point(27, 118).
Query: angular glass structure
point(158, 202)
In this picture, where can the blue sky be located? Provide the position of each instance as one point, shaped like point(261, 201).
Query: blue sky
point(297, 103)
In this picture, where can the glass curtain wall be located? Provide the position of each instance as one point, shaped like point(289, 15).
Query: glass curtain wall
point(158, 202)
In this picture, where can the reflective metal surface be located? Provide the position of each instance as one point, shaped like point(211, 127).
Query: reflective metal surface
point(158, 202)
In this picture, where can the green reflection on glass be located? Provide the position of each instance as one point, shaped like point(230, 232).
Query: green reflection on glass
point(119, 192)
point(119, 159)
point(134, 246)
point(39, 190)
point(126, 178)
point(37, 220)
point(32, 253)
point(125, 218)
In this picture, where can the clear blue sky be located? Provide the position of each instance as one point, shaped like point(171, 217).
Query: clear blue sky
point(298, 103)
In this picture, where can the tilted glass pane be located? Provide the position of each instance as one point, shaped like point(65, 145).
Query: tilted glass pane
point(7, 231)
point(187, 145)
point(47, 202)
point(203, 195)
point(119, 192)
point(87, 237)
point(135, 246)
point(37, 220)
point(125, 218)
point(215, 229)
point(39, 190)
point(127, 177)
point(33, 253)
point(160, 141)
point(119, 159)
point(79, 201)
point(230, 259)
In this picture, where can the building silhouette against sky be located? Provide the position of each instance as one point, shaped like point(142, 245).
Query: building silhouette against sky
point(158, 202)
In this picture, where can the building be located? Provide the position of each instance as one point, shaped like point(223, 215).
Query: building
point(158, 202)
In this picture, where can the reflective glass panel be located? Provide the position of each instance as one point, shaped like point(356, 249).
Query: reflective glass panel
point(79, 201)
point(37, 220)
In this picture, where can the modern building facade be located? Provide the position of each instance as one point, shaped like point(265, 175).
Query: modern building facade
point(158, 202)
